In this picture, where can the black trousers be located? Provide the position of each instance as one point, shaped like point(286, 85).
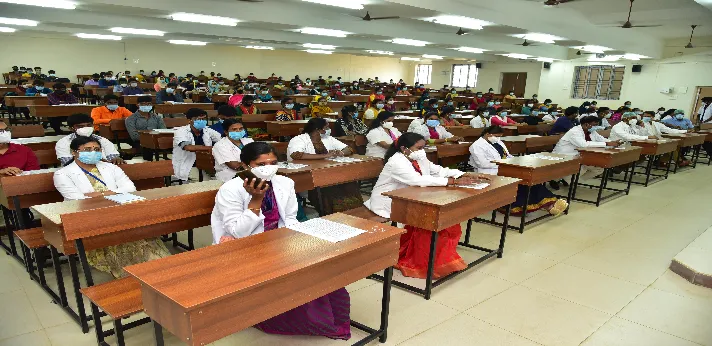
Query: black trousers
point(146, 153)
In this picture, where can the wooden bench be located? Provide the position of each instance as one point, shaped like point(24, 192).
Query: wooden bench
point(31, 241)
point(119, 299)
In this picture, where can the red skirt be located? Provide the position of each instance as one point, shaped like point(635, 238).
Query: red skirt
point(415, 250)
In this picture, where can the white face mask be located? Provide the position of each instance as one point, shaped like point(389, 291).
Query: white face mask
point(633, 122)
point(265, 172)
point(418, 155)
point(85, 131)
point(387, 125)
point(5, 137)
point(134, 84)
point(327, 134)
point(530, 105)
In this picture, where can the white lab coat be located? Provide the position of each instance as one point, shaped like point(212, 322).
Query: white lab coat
point(73, 183)
point(303, 143)
point(232, 217)
point(625, 132)
point(575, 139)
point(224, 151)
point(376, 135)
point(64, 152)
point(705, 113)
point(399, 173)
point(415, 124)
point(656, 129)
point(549, 117)
point(423, 131)
point(605, 123)
point(482, 153)
point(184, 160)
point(478, 122)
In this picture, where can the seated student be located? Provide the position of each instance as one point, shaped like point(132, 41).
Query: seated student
point(107, 81)
point(489, 148)
point(604, 113)
point(617, 115)
point(109, 111)
point(552, 116)
point(94, 81)
point(51, 76)
point(527, 109)
point(407, 165)
point(143, 119)
point(82, 125)
point(376, 95)
point(431, 106)
point(626, 130)
point(227, 150)
point(316, 143)
point(321, 109)
point(237, 96)
point(678, 121)
point(482, 119)
point(446, 117)
point(323, 94)
point(565, 123)
point(381, 134)
point(14, 158)
point(659, 114)
point(168, 93)
point(242, 210)
point(38, 89)
point(651, 127)
point(224, 112)
point(264, 95)
point(87, 176)
point(190, 138)
point(533, 118)
point(501, 119)
point(119, 87)
point(535, 98)
point(60, 96)
point(287, 113)
point(433, 131)
point(545, 106)
point(132, 88)
point(583, 136)
point(402, 91)
point(247, 106)
point(349, 124)
point(375, 109)
point(510, 96)
point(390, 104)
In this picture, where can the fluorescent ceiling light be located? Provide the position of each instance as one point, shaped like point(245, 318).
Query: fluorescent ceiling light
point(430, 56)
point(630, 56)
point(470, 50)
point(381, 52)
point(545, 59)
point(352, 4)
point(137, 31)
point(18, 21)
point(260, 47)
point(459, 21)
point(99, 37)
point(516, 56)
point(205, 19)
point(593, 49)
point(323, 32)
point(605, 58)
point(188, 43)
point(63, 4)
point(318, 46)
point(410, 59)
point(536, 37)
point(6, 29)
point(408, 42)
point(318, 51)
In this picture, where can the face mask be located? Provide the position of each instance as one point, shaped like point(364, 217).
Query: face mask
point(112, 107)
point(123, 85)
point(450, 103)
point(490, 104)
point(535, 113)
point(435, 106)
point(554, 113)
point(497, 102)
point(221, 83)
point(169, 90)
point(627, 105)
point(5, 137)
point(324, 94)
point(432, 122)
point(679, 116)
point(200, 124)
point(107, 78)
point(145, 109)
point(485, 114)
point(90, 158)
point(608, 115)
point(503, 114)
point(84, 131)
point(511, 94)
point(343, 89)
point(387, 125)
point(327, 134)
point(391, 102)
point(51, 74)
point(418, 155)
point(235, 135)
point(380, 106)
point(647, 119)
point(356, 105)
point(530, 105)
point(265, 172)
point(379, 92)
point(289, 106)
point(355, 116)
point(133, 85)
point(265, 92)
point(633, 122)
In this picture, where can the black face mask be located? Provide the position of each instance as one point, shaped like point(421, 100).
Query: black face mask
point(60, 91)
point(96, 79)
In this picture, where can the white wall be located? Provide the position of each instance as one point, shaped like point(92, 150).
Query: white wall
point(72, 56)
point(490, 75)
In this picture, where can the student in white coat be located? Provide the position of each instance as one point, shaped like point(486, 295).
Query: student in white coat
point(188, 139)
point(86, 176)
point(626, 130)
point(407, 165)
point(604, 113)
point(381, 134)
point(83, 126)
point(243, 209)
point(433, 132)
point(227, 150)
point(489, 148)
point(584, 136)
point(482, 119)
point(552, 116)
point(705, 111)
point(650, 127)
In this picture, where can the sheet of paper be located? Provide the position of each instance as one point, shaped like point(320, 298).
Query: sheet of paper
point(327, 230)
point(40, 171)
point(164, 130)
point(289, 165)
point(479, 186)
point(123, 198)
point(344, 159)
point(548, 157)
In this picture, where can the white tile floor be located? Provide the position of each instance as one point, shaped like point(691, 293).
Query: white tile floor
point(597, 277)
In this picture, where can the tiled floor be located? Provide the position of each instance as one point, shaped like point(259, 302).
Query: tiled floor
point(597, 277)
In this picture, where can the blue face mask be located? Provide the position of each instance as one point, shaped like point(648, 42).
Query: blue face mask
point(545, 109)
point(355, 116)
point(435, 106)
point(235, 135)
point(112, 107)
point(596, 128)
point(432, 122)
point(535, 113)
point(145, 109)
point(679, 116)
point(490, 104)
point(169, 90)
point(289, 106)
point(324, 94)
point(379, 92)
point(504, 114)
point(200, 124)
point(647, 119)
point(90, 158)
point(450, 103)
point(554, 113)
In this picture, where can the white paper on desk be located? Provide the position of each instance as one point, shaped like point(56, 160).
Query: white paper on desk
point(479, 186)
point(430, 147)
point(39, 171)
point(547, 157)
point(164, 130)
point(327, 230)
point(344, 159)
point(289, 165)
point(124, 198)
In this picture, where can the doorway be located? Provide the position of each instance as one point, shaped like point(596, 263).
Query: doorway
point(701, 93)
point(516, 81)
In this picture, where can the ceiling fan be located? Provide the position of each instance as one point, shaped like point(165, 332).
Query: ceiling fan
point(368, 17)
point(525, 43)
point(628, 24)
point(462, 32)
point(555, 2)
point(689, 44)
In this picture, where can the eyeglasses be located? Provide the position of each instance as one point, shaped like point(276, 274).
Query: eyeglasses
point(89, 150)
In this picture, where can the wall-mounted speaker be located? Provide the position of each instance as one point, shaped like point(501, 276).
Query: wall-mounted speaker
point(478, 64)
point(637, 68)
point(547, 65)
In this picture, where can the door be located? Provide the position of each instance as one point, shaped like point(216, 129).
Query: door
point(701, 93)
point(516, 81)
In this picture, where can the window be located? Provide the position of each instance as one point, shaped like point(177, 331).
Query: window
point(464, 76)
point(423, 74)
point(602, 82)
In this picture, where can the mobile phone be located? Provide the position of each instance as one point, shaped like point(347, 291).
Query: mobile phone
point(247, 174)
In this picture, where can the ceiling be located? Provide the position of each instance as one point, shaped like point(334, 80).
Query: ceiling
point(274, 23)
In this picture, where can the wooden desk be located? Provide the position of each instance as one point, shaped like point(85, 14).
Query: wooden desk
point(26, 101)
point(436, 208)
point(323, 173)
point(289, 128)
point(688, 140)
point(607, 158)
point(517, 144)
point(469, 133)
point(653, 149)
point(254, 121)
point(206, 304)
point(268, 106)
point(175, 108)
point(59, 111)
point(10, 100)
point(533, 170)
point(156, 141)
point(448, 154)
point(357, 98)
point(220, 98)
point(39, 143)
point(133, 99)
point(298, 98)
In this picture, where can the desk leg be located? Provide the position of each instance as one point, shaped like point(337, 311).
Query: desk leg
point(578, 176)
point(158, 333)
point(524, 210)
point(78, 295)
point(505, 225)
point(695, 156)
point(667, 170)
point(467, 231)
point(320, 202)
point(58, 274)
point(385, 303)
point(648, 169)
point(630, 181)
point(604, 179)
point(431, 263)
point(571, 192)
point(85, 262)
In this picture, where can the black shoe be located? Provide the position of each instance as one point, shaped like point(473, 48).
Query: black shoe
point(564, 182)
point(554, 184)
